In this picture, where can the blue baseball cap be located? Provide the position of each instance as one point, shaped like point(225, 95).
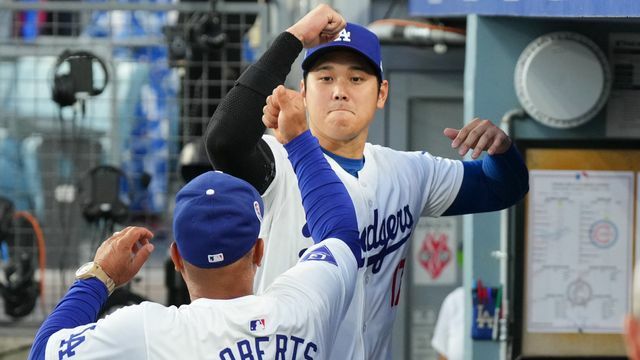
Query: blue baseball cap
point(216, 220)
point(353, 37)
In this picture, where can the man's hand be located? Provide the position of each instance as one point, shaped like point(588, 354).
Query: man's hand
point(632, 337)
point(320, 25)
point(479, 135)
point(285, 114)
point(122, 255)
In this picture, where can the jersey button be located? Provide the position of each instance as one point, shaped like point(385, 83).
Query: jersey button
point(370, 203)
point(364, 327)
point(367, 278)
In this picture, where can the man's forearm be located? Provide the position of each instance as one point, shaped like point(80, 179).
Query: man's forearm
point(493, 183)
point(233, 136)
point(328, 207)
point(79, 306)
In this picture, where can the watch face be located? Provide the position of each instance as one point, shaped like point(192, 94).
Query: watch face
point(84, 268)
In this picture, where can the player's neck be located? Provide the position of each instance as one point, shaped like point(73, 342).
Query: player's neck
point(350, 149)
point(221, 285)
point(224, 294)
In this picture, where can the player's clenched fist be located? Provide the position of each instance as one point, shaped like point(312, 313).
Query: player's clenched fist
point(285, 114)
point(319, 26)
point(479, 135)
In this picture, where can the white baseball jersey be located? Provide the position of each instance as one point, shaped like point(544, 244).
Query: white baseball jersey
point(296, 318)
point(389, 194)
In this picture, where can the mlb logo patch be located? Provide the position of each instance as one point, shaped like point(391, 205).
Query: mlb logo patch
point(320, 254)
point(214, 258)
point(258, 324)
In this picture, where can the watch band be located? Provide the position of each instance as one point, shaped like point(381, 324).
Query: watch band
point(93, 269)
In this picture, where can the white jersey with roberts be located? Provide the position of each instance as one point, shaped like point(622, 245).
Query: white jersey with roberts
point(389, 194)
point(296, 318)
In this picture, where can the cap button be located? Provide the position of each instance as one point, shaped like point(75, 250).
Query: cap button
point(210, 192)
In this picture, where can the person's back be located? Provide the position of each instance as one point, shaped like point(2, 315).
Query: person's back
point(288, 320)
point(251, 326)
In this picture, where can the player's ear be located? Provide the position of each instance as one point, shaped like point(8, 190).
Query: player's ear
point(382, 94)
point(176, 258)
point(258, 252)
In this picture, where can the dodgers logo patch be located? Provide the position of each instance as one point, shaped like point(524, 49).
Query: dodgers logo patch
point(320, 254)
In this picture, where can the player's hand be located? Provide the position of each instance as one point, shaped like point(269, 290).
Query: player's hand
point(122, 255)
point(479, 135)
point(632, 337)
point(285, 114)
point(320, 25)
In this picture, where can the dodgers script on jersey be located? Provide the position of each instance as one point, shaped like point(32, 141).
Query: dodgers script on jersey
point(296, 318)
point(389, 195)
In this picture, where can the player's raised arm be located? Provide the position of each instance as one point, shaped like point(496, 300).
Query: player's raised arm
point(327, 204)
point(495, 182)
point(233, 136)
point(116, 262)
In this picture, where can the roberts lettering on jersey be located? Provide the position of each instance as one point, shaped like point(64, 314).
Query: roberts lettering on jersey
point(286, 347)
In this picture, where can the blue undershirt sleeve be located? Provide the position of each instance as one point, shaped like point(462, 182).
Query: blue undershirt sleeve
point(493, 183)
point(80, 306)
point(327, 204)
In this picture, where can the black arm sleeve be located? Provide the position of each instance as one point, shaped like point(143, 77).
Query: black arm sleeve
point(233, 138)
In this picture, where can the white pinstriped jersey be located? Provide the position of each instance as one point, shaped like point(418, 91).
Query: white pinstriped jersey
point(296, 318)
point(389, 194)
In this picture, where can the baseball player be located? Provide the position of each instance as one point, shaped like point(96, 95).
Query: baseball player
point(343, 86)
point(217, 249)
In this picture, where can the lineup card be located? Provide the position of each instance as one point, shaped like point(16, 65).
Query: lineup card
point(579, 250)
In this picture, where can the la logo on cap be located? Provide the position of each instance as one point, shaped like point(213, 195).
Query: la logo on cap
point(214, 258)
point(344, 36)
